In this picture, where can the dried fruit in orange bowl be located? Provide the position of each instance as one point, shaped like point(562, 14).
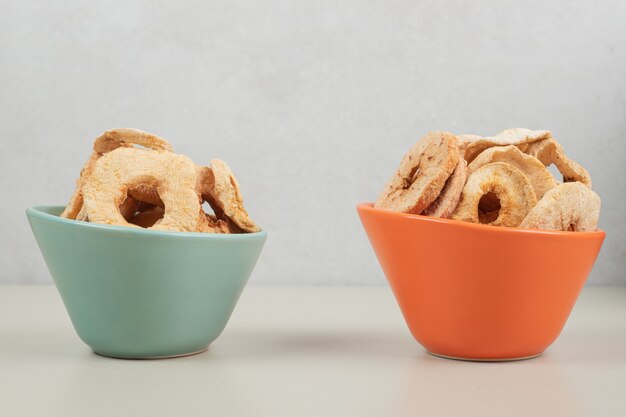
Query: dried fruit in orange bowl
point(422, 174)
point(488, 284)
point(497, 181)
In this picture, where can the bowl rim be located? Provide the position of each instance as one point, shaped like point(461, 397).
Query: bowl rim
point(41, 211)
point(369, 207)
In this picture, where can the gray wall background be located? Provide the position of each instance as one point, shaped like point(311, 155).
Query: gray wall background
point(312, 103)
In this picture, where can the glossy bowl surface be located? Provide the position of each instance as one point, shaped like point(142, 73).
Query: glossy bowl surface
point(136, 293)
point(477, 292)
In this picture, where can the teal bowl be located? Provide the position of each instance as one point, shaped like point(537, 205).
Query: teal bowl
point(136, 293)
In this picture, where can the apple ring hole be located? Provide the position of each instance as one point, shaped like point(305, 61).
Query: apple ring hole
point(488, 208)
point(128, 207)
point(147, 214)
point(412, 177)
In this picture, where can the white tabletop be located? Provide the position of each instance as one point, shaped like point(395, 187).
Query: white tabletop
point(308, 352)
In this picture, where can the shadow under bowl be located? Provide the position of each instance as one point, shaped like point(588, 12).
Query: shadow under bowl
point(137, 293)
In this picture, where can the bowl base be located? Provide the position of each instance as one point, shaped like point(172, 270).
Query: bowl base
point(180, 355)
point(460, 358)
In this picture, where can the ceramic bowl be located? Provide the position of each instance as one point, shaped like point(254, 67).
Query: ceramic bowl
point(137, 293)
point(471, 291)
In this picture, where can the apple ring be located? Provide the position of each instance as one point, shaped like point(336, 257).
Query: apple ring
point(172, 175)
point(219, 187)
point(211, 224)
point(512, 188)
point(549, 152)
point(539, 177)
point(464, 140)
point(448, 200)
point(571, 206)
point(75, 205)
point(422, 174)
point(126, 137)
point(108, 141)
point(514, 136)
point(127, 209)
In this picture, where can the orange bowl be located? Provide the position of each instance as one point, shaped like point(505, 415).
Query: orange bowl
point(470, 291)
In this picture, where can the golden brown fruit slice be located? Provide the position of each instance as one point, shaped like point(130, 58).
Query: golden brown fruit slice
point(219, 187)
point(464, 140)
point(540, 178)
point(75, 205)
point(126, 137)
point(549, 152)
point(108, 141)
point(422, 174)
point(127, 209)
point(514, 136)
point(450, 195)
point(211, 224)
point(570, 206)
point(172, 175)
point(509, 184)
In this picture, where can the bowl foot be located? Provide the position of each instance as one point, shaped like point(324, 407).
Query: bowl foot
point(180, 355)
point(460, 358)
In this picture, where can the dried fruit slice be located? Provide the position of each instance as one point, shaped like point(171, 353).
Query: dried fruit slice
point(512, 188)
point(127, 209)
point(108, 141)
point(570, 206)
point(422, 174)
point(464, 140)
point(173, 176)
point(549, 152)
point(126, 137)
point(219, 187)
point(211, 224)
point(537, 174)
point(75, 205)
point(514, 136)
point(450, 195)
